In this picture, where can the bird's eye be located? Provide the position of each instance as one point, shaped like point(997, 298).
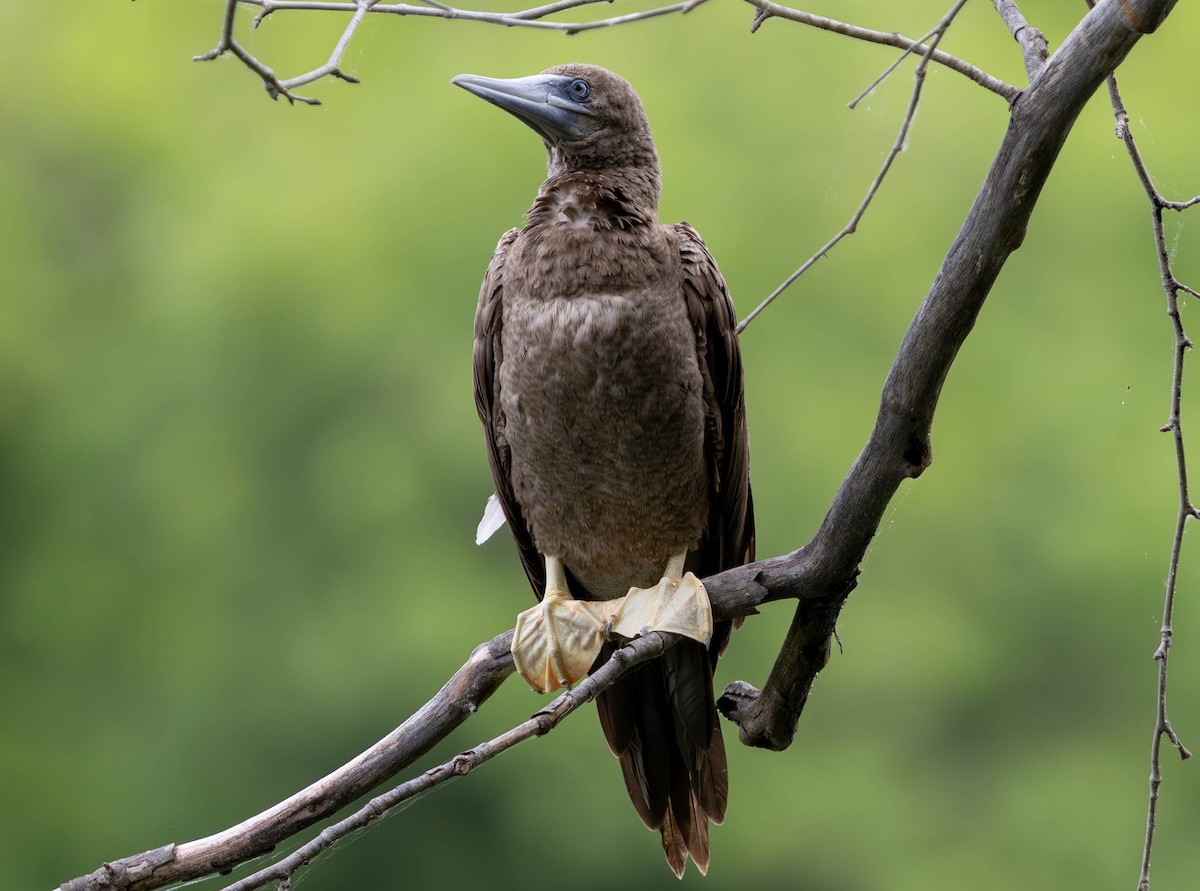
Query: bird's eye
point(579, 89)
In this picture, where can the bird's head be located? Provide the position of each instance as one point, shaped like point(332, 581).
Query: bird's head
point(590, 118)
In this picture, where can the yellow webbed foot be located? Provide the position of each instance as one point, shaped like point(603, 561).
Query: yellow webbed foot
point(557, 641)
point(676, 605)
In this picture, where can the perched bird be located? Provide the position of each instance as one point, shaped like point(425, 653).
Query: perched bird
point(609, 382)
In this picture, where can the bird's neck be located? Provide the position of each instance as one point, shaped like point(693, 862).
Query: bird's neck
point(597, 199)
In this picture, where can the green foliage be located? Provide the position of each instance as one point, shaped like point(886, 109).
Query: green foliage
point(240, 467)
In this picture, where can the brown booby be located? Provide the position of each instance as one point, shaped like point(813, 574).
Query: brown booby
point(609, 382)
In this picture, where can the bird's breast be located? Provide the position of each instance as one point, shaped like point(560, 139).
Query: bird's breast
point(604, 417)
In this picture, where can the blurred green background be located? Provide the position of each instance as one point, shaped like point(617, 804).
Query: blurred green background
point(240, 467)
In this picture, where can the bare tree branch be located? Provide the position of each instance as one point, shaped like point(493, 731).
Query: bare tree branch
point(651, 646)
point(1033, 43)
point(526, 18)
point(851, 227)
point(734, 594)
point(460, 698)
point(899, 447)
point(768, 10)
point(228, 44)
point(533, 17)
point(1187, 508)
point(332, 67)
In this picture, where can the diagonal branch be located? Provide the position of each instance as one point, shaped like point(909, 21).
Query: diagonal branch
point(734, 594)
point(634, 653)
point(489, 665)
point(899, 447)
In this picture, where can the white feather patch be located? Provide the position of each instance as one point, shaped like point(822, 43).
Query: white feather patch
point(493, 519)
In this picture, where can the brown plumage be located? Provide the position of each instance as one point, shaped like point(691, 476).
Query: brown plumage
point(609, 382)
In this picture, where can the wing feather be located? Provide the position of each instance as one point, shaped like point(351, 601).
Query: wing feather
point(730, 538)
point(489, 353)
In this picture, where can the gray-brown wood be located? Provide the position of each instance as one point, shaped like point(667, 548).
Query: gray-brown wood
point(458, 699)
point(1034, 47)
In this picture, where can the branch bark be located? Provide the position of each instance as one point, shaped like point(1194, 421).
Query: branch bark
point(643, 649)
point(490, 664)
point(824, 571)
point(734, 594)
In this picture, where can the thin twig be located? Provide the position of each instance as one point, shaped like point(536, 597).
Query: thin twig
point(853, 103)
point(1034, 48)
point(934, 37)
point(538, 12)
point(333, 66)
point(434, 9)
point(643, 649)
point(534, 17)
point(1187, 509)
point(768, 10)
point(526, 18)
point(227, 44)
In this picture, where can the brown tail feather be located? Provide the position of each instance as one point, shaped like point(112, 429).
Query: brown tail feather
point(697, 839)
point(674, 846)
point(660, 721)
